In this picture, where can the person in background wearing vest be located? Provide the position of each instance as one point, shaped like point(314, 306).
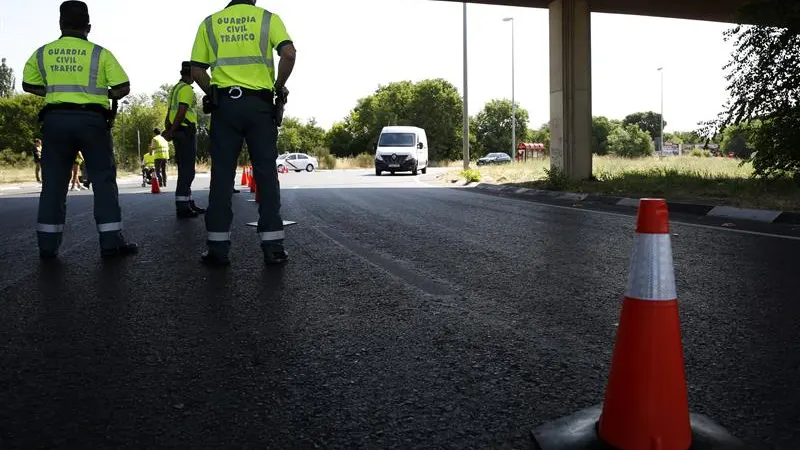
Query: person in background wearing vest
point(161, 147)
point(148, 166)
point(240, 94)
point(181, 125)
point(37, 158)
point(76, 167)
point(77, 77)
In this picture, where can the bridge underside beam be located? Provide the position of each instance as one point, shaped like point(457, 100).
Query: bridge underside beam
point(571, 88)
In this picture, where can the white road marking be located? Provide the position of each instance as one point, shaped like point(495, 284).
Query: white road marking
point(696, 225)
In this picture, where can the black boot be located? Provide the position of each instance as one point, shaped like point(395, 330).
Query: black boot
point(126, 249)
point(186, 213)
point(210, 258)
point(196, 208)
point(274, 254)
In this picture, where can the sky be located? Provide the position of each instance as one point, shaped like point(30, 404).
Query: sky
point(347, 48)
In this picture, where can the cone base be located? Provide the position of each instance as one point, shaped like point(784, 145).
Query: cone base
point(579, 432)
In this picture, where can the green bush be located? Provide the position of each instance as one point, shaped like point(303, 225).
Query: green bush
point(327, 162)
point(10, 158)
point(700, 153)
point(630, 142)
point(471, 175)
point(365, 160)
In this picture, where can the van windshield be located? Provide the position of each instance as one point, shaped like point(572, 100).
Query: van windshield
point(397, 140)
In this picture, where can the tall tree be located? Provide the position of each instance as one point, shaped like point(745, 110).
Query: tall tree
point(493, 126)
point(437, 107)
point(432, 104)
point(7, 80)
point(19, 122)
point(646, 121)
point(764, 84)
point(601, 128)
point(630, 141)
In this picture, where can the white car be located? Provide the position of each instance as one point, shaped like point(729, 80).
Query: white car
point(297, 162)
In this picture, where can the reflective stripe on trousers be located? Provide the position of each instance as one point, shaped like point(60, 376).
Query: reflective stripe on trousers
point(94, 70)
point(219, 236)
point(107, 227)
point(49, 228)
point(272, 235)
point(242, 60)
point(183, 198)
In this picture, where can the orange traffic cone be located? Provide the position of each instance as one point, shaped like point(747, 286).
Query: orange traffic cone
point(252, 184)
point(646, 405)
point(154, 187)
point(244, 176)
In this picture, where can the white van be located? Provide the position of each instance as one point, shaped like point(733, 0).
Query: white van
point(401, 149)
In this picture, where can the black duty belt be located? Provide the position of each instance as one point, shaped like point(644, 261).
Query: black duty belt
point(93, 107)
point(236, 92)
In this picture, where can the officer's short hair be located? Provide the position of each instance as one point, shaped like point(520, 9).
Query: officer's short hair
point(186, 68)
point(156, 131)
point(74, 15)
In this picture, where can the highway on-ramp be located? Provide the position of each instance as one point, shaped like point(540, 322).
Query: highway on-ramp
point(410, 315)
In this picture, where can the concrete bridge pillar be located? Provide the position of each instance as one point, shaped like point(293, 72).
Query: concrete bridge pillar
point(571, 88)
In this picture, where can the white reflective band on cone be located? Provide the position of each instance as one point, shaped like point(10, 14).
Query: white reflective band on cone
point(272, 235)
point(651, 273)
point(49, 228)
point(106, 227)
point(219, 236)
point(183, 199)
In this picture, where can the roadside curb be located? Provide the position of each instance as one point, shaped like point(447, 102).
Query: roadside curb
point(730, 212)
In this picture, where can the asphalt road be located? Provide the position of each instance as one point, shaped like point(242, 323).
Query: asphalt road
point(410, 316)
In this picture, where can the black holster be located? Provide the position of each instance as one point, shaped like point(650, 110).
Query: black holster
point(211, 101)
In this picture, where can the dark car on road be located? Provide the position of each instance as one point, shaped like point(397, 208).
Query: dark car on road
point(494, 158)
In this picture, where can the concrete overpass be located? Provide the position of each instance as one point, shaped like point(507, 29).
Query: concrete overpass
point(571, 70)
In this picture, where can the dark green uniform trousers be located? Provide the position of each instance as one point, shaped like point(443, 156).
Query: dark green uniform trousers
point(64, 134)
point(249, 119)
point(185, 140)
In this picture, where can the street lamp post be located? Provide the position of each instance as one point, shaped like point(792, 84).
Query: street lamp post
point(465, 126)
point(125, 104)
point(661, 138)
point(513, 102)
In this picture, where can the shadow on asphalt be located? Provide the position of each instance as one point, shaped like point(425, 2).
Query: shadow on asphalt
point(405, 317)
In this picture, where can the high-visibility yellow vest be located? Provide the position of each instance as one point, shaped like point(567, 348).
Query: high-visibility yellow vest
point(161, 146)
point(149, 160)
point(74, 70)
point(78, 159)
point(183, 93)
point(237, 43)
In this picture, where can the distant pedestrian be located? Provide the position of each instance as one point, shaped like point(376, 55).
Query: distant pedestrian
point(37, 158)
point(161, 147)
point(76, 167)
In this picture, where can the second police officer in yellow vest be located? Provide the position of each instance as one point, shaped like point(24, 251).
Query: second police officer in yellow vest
point(77, 77)
point(237, 43)
point(180, 126)
point(161, 147)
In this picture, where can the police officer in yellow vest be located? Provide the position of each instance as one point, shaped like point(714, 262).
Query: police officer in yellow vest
point(181, 126)
point(161, 147)
point(148, 166)
point(77, 77)
point(237, 44)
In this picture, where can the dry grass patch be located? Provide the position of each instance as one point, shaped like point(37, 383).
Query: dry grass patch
point(722, 181)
